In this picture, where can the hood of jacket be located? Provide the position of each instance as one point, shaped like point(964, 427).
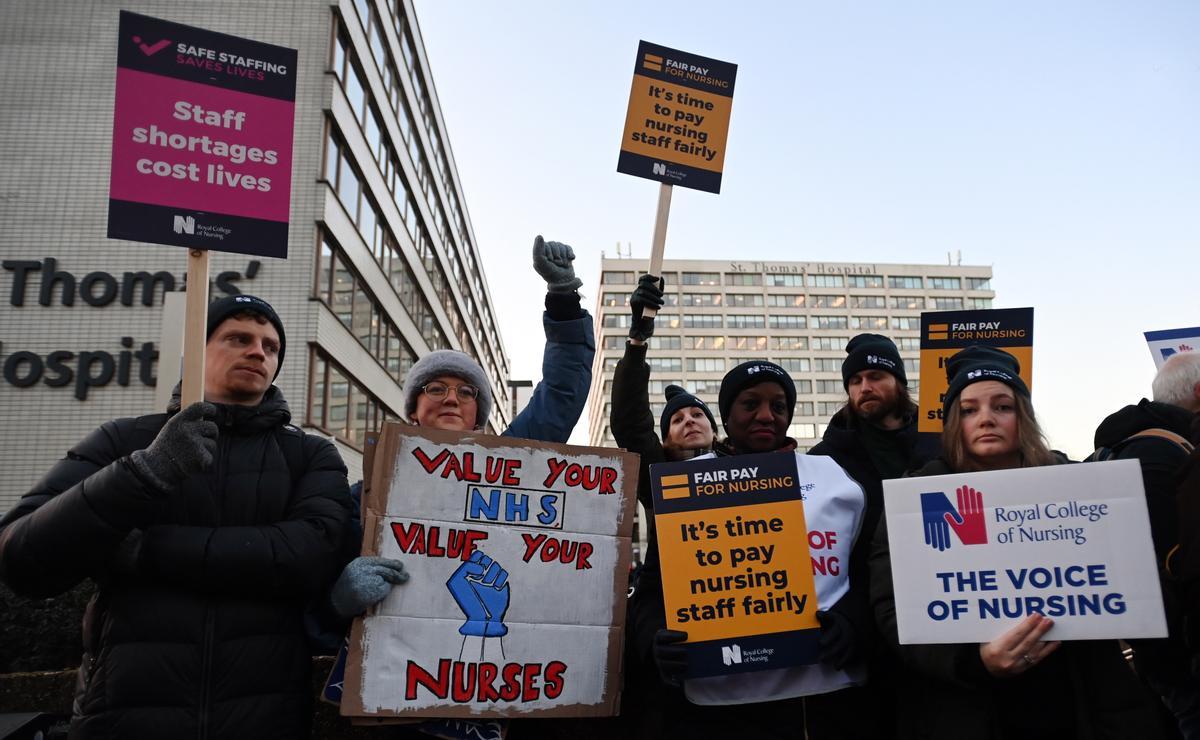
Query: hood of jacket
point(271, 412)
point(1142, 416)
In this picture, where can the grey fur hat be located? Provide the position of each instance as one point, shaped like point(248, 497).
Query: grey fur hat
point(448, 362)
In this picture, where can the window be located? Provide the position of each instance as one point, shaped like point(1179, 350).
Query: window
point(830, 386)
point(786, 281)
point(907, 302)
point(706, 364)
point(945, 283)
point(787, 300)
point(707, 387)
point(804, 408)
point(663, 364)
point(701, 278)
point(946, 304)
point(912, 323)
point(867, 301)
point(979, 283)
point(905, 282)
point(663, 343)
point(827, 301)
point(828, 364)
point(829, 408)
point(340, 405)
point(610, 363)
point(743, 278)
point(746, 321)
point(614, 341)
point(740, 300)
point(658, 387)
point(979, 303)
point(778, 321)
point(614, 299)
point(868, 322)
point(696, 342)
point(702, 321)
point(865, 281)
point(789, 342)
point(802, 430)
point(617, 321)
point(826, 281)
point(909, 343)
point(911, 366)
point(832, 344)
point(795, 364)
point(831, 322)
point(617, 277)
point(803, 386)
point(701, 299)
point(746, 344)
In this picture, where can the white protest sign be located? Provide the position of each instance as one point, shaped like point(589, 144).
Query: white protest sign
point(1169, 342)
point(519, 557)
point(974, 553)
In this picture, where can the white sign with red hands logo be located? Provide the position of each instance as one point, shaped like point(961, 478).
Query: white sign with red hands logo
point(1163, 344)
point(974, 553)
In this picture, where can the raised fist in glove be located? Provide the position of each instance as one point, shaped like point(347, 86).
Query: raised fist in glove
point(670, 655)
point(837, 639)
point(552, 260)
point(184, 447)
point(648, 294)
point(364, 583)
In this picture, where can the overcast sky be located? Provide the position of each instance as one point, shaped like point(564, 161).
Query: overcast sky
point(1057, 142)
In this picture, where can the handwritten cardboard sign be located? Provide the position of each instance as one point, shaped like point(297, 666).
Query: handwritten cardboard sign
point(519, 554)
point(202, 139)
point(678, 118)
point(974, 553)
point(944, 333)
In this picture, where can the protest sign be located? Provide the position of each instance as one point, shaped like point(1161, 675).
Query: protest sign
point(944, 333)
point(678, 118)
point(202, 139)
point(1168, 342)
point(974, 553)
point(737, 570)
point(519, 556)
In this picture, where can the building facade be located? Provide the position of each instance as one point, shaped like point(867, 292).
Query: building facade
point(799, 315)
point(382, 263)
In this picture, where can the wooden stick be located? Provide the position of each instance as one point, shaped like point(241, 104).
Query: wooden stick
point(659, 244)
point(195, 324)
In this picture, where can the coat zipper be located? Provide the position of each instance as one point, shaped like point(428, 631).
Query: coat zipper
point(218, 483)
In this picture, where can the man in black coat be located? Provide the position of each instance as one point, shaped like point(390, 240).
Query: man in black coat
point(208, 530)
point(874, 438)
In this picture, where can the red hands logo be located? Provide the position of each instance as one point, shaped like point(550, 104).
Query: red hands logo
point(968, 521)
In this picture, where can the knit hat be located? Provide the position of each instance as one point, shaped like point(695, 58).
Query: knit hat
point(977, 363)
point(678, 398)
point(223, 308)
point(872, 352)
point(456, 364)
point(750, 374)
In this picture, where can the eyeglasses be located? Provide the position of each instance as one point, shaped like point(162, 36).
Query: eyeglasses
point(438, 390)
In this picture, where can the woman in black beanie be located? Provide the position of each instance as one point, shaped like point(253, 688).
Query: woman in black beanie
point(1018, 685)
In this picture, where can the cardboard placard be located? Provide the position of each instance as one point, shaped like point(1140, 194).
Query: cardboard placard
point(974, 553)
point(736, 567)
point(944, 333)
point(1169, 342)
point(519, 554)
point(202, 139)
point(677, 122)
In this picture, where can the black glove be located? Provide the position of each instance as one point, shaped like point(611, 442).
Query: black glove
point(670, 655)
point(648, 294)
point(837, 639)
point(184, 447)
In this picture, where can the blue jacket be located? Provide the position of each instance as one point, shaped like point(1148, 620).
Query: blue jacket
point(558, 399)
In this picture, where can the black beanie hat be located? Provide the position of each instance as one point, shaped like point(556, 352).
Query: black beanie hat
point(678, 398)
point(750, 374)
point(872, 352)
point(978, 363)
point(223, 308)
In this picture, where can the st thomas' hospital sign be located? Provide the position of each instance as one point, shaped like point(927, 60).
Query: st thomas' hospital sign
point(816, 268)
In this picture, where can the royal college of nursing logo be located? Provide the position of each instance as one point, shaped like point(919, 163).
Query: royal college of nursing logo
point(967, 521)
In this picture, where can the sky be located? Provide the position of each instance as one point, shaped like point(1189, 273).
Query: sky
point(1057, 142)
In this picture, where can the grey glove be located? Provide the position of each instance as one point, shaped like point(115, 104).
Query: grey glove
point(552, 260)
point(184, 447)
point(364, 583)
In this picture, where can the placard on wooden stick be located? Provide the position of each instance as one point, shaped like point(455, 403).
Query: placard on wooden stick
point(519, 553)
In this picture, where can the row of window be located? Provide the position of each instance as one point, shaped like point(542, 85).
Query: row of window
point(341, 406)
point(802, 300)
point(773, 321)
point(798, 280)
point(720, 364)
point(759, 343)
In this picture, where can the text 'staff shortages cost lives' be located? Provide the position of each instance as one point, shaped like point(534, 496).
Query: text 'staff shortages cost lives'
point(737, 570)
point(944, 333)
point(678, 118)
point(202, 139)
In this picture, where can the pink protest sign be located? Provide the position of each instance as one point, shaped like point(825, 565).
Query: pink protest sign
point(202, 139)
